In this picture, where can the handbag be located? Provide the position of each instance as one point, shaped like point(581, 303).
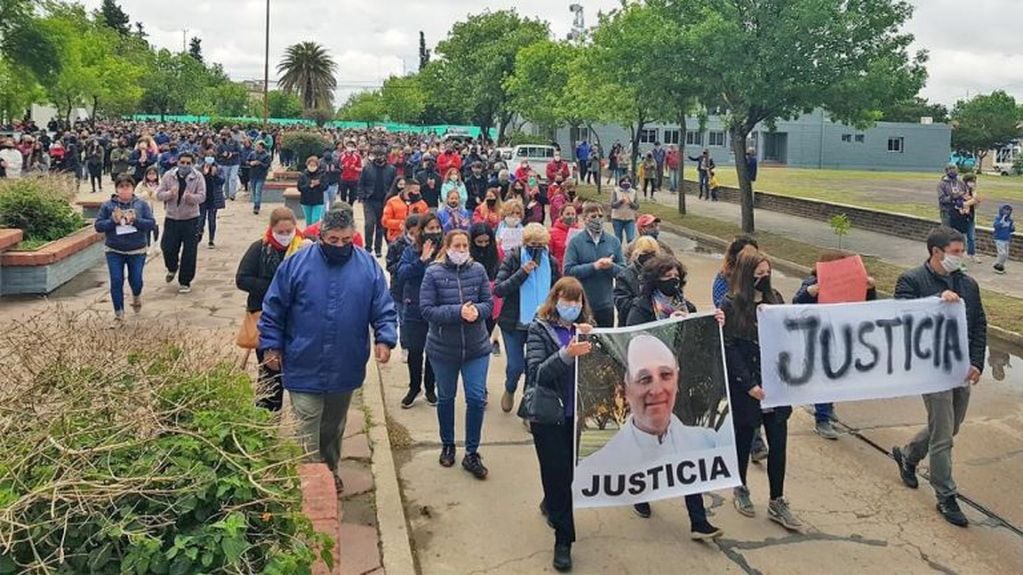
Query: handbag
point(542, 405)
point(248, 333)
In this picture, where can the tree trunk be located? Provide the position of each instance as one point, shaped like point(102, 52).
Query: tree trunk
point(600, 154)
point(738, 135)
point(636, 131)
point(680, 170)
point(95, 106)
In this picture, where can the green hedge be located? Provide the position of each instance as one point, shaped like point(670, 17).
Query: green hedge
point(38, 207)
point(303, 145)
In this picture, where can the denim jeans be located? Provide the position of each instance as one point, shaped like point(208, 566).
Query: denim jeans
point(116, 263)
point(823, 412)
point(256, 185)
point(625, 230)
point(945, 413)
point(515, 347)
point(673, 181)
point(230, 181)
point(474, 380)
point(704, 184)
point(208, 218)
point(331, 195)
point(971, 238)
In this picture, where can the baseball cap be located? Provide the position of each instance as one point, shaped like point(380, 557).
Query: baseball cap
point(647, 219)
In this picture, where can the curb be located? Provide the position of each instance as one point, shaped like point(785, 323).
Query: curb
point(994, 332)
point(395, 545)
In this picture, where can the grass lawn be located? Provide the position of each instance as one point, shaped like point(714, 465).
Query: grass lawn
point(913, 193)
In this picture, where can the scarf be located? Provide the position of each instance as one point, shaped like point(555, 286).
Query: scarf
point(664, 305)
point(271, 241)
point(534, 290)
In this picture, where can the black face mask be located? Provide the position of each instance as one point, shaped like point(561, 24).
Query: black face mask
point(491, 203)
point(535, 252)
point(414, 197)
point(436, 238)
point(763, 284)
point(669, 287)
point(337, 255)
point(644, 259)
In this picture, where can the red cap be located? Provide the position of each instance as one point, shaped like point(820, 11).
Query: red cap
point(647, 219)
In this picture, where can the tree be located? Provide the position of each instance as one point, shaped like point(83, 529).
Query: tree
point(403, 99)
point(25, 42)
point(115, 18)
point(912, 110)
point(538, 83)
point(985, 123)
point(775, 59)
point(363, 107)
point(424, 54)
point(307, 70)
point(195, 48)
point(480, 54)
point(283, 105)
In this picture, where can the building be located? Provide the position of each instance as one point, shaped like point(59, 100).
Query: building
point(810, 141)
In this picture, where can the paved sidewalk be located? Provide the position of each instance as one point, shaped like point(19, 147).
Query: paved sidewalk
point(892, 249)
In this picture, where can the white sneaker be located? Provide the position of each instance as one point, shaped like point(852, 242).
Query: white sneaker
point(185, 289)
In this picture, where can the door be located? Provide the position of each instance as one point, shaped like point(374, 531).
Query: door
point(776, 147)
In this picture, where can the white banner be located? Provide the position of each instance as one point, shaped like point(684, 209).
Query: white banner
point(853, 351)
point(653, 414)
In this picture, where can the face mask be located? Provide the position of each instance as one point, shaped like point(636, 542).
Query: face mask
point(435, 238)
point(644, 258)
point(626, 186)
point(595, 226)
point(569, 312)
point(337, 255)
point(458, 258)
point(571, 194)
point(380, 161)
point(414, 197)
point(535, 252)
point(284, 239)
point(512, 221)
point(453, 205)
point(652, 233)
point(184, 171)
point(668, 287)
point(568, 220)
point(557, 158)
point(311, 168)
point(491, 202)
point(209, 160)
point(532, 182)
point(952, 175)
point(763, 284)
point(952, 263)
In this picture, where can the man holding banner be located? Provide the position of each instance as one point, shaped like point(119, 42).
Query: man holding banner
point(942, 275)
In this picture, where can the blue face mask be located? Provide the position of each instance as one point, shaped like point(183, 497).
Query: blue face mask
point(569, 312)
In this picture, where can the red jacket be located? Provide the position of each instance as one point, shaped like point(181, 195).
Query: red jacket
point(555, 168)
point(559, 241)
point(672, 159)
point(446, 161)
point(351, 166)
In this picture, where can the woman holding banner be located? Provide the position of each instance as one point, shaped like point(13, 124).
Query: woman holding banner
point(660, 297)
point(808, 292)
point(551, 349)
point(750, 287)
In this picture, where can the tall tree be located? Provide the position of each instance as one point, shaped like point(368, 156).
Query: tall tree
point(365, 106)
point(984, 123)
point(537, 85)
point(115, 18)
point(308, 70)
point(774, 59)
point(424, 54)
point(912, 110)
point(195, 48)
point(480, 54)
point(403, 99)
point(283, 105)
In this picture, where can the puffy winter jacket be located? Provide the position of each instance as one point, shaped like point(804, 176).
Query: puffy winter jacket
point(446, 287)
point(320, 315)
point(626, 290)
point(396, 210)
point(510, 278)
point(409, 280)
point(559, 241)
point(144, 223)
point(548, 364)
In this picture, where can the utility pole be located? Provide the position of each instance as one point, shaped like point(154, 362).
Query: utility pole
point(266, 71)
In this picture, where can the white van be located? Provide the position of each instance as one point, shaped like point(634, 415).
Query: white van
point(538, 157)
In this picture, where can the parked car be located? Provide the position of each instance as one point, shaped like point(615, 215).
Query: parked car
point(538, 157)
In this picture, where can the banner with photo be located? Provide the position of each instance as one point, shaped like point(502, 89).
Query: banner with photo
point(652, 414)
point(854, 351)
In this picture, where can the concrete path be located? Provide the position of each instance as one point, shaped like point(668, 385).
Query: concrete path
point(899, 251)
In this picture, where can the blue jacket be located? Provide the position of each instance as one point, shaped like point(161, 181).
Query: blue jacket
point(320, 315)
point(445, 288)
point(144, 224)
point(409, 280)
point(598, 284)
point(1004, 226)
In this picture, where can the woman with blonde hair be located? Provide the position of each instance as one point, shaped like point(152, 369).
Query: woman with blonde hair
point(627, 283)
point(453, 182)
point(508, 232)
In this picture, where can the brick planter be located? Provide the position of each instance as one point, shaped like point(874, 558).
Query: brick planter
point(43, 270)
point(320, 505)
point(286, 175)
point(90, 208)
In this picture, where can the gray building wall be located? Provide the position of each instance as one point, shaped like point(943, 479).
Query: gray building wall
point(810, 141)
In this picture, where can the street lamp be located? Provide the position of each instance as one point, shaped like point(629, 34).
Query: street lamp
point(266, 70)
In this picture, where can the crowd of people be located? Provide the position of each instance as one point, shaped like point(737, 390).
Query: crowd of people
point(457, 244)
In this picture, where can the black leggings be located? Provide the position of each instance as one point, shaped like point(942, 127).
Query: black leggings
point(776, 429)
point(418, 376)
point(553, 445)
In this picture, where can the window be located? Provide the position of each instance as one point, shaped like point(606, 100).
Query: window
point(648, 136)
point(672, 136)
point(847, 137)
point(860, 138)
point(694, 138)
point(897, 145)
point(716, 139)
point(584, 134)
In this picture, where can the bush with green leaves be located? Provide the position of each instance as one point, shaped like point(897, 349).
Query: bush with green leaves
point(140, 451)
point(38, 207)
point(304, 144)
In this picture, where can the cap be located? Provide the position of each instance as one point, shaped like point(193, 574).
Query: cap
point(646, 220)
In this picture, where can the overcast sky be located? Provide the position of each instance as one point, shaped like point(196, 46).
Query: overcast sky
point(974, 45)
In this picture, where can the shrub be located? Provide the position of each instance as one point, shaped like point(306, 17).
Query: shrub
point(139, 451)
point(840, 225)
point(522, 138)
point(304, 144)
point(39, 208)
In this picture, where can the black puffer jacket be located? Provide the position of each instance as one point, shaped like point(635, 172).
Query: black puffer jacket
point(924, 282)
point(626, 290)
point(510, 278)
point(547, 363)
point(256, 271)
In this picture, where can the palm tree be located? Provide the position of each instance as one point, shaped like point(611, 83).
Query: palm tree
point(308, 70)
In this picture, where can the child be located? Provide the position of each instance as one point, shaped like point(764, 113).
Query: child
point(713, 185)
point(1004, 227)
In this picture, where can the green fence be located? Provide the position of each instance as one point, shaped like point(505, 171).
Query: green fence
point(440, 129)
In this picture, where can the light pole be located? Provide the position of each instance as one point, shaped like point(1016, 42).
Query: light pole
point(266, 71)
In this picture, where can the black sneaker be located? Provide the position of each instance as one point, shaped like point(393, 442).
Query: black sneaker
point(473, 463)
point(169, 277)
point(906, 471)
point(562, 557)
point(431, 397)
point(410, 399)
point(949, 509)
point(704, 531)
point(643, 510)
point(447, 455)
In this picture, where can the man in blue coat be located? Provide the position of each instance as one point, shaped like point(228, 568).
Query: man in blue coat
point(315, 329)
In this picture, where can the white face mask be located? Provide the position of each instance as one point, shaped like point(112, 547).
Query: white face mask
point(284, 239)
point(458, 258)
point(512, 221)
point(952, 263)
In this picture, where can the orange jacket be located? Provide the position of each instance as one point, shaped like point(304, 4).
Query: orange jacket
point(395, 212)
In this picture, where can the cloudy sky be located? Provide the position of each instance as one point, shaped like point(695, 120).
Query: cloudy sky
point(973, 45)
